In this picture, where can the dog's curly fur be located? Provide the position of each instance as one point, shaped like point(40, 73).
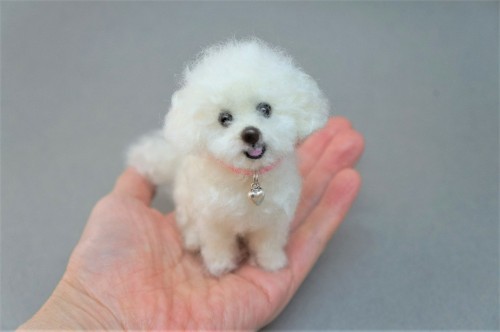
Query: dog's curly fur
point(203, 154)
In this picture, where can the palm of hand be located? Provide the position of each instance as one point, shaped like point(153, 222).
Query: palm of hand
point(130, 258)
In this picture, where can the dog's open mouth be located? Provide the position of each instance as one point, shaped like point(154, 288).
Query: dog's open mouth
point(255, 152)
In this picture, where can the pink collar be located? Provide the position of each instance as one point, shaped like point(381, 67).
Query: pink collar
point(249, 172)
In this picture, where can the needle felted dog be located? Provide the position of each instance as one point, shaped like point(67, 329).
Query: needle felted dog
point(228, 144)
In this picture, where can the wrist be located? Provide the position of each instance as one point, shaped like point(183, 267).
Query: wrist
point(70, 308)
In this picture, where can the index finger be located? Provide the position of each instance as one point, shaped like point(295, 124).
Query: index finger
point(308, 241)
point(314, 146)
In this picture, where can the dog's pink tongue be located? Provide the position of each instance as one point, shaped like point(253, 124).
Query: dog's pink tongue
point(255, 152)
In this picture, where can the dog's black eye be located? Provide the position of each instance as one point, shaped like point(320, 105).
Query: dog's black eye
point(225, 118)
point(264, 109)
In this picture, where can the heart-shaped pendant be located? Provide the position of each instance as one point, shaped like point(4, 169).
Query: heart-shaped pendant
point(256, 195)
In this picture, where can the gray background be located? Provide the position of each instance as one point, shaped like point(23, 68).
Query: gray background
point(419, 250)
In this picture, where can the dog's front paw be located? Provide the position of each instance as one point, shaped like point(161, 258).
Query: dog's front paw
point(220, 267)
point(219, 262)
point(271, 260)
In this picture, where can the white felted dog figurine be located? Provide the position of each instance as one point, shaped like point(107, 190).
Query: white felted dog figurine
point(228, 144)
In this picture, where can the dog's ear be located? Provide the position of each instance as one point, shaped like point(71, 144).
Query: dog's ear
point(313, 107)
point(180, 125)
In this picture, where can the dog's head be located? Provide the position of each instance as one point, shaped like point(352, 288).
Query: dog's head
point(244, 104)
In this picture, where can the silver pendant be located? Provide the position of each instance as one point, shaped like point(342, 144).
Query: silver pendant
point(256, 193)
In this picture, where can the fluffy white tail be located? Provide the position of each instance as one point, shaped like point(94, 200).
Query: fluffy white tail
point(154, 158)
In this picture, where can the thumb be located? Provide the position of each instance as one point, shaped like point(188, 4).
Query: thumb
point(131, 183)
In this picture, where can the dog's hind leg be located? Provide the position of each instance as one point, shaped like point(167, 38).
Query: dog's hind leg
point(188, 230)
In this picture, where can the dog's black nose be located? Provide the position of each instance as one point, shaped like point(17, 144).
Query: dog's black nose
point(250, 135)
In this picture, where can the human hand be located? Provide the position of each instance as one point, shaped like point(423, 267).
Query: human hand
point(129, 270)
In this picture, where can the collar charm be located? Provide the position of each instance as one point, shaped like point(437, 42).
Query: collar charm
point(256, 193)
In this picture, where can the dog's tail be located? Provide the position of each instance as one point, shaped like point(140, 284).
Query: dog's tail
point(154, 157)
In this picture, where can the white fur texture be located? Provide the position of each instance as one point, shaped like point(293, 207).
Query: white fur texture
point(197, 152)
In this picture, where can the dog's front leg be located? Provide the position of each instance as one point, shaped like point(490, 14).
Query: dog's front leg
point(267, 245)
point(219, 249)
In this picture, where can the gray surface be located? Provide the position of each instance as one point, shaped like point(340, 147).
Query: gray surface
point(420, 80)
